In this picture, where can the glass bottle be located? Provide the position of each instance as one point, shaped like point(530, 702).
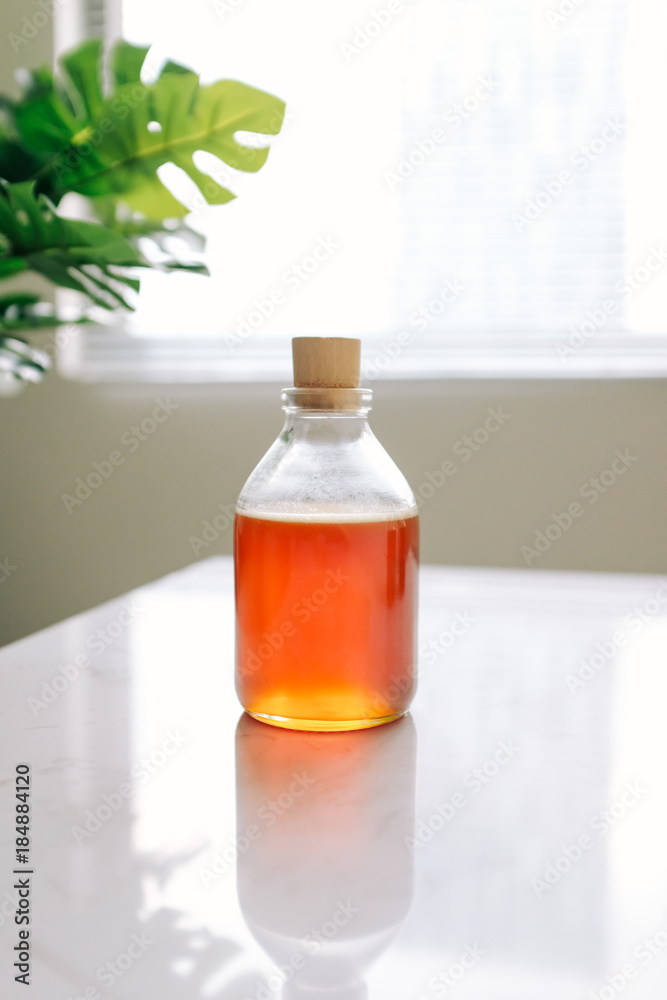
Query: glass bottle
point(326, 540)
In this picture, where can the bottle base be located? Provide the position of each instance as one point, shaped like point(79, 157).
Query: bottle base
point(324, 725)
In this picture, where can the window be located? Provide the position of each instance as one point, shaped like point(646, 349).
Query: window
point(472, 186)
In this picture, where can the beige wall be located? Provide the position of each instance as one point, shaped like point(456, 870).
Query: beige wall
point(136, 525)
point(16, 48)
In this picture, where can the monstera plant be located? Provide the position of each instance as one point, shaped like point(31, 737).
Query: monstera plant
point(72, 134)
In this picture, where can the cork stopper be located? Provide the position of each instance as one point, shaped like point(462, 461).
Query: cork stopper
point(326, 362)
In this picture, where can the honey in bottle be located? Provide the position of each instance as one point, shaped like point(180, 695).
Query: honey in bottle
point(326, 541)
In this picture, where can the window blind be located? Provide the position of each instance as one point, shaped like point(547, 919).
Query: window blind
point(464, 162)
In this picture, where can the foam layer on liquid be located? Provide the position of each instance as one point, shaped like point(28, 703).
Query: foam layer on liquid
point(331, 514)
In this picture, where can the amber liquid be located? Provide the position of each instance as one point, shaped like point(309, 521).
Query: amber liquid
point(326, 620)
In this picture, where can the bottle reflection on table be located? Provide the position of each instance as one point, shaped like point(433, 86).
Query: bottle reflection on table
point(326, 880)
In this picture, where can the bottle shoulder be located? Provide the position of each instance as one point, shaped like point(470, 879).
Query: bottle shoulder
point(320, 477)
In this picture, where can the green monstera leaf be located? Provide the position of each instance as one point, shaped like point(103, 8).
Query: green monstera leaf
point(69, 133)
point(102, 145)
point(25, 312)
point(17, 162)
point(72, 254)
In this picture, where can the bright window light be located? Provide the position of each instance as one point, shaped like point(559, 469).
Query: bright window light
point(486, 176)
point(321, 187)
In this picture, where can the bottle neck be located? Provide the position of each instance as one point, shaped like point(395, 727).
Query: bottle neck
point(326, 415)
point(327, 400)
point(325, 426)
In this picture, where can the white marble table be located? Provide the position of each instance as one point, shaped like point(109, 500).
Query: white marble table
point(506, 840)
